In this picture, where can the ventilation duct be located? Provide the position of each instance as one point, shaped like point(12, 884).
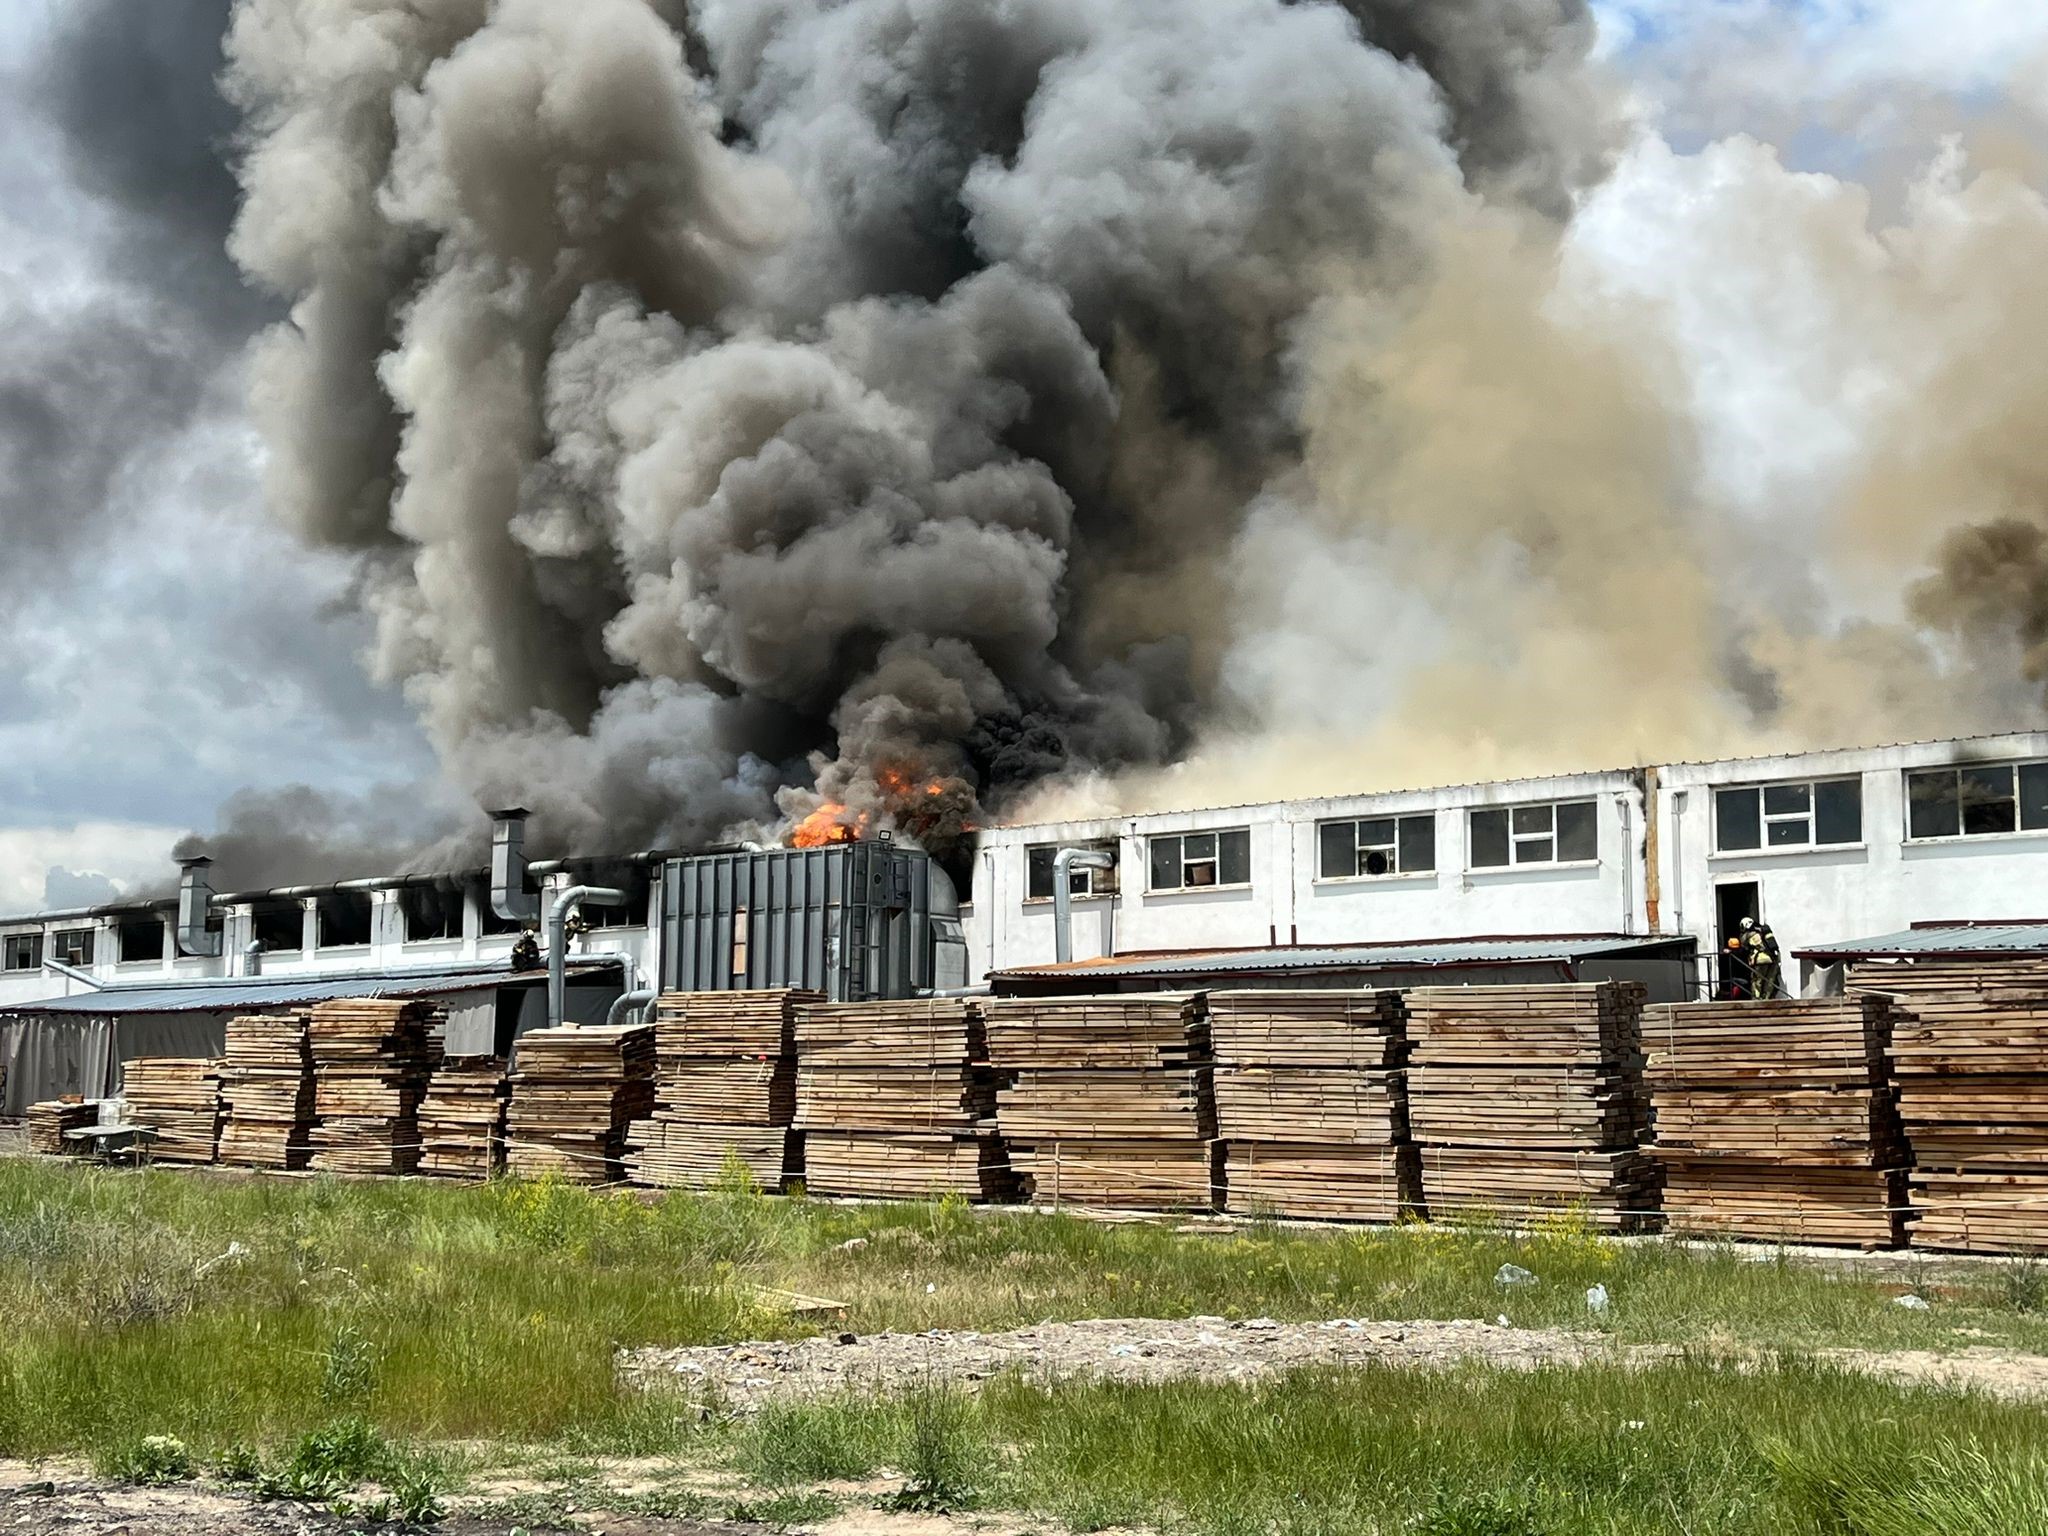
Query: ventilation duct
point(195, 900)
point(510, 898)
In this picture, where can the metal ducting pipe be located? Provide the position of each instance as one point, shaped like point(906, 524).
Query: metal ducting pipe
point(510, 898)
point(195, 899)
point(558, 946)
point(72, 973)
point(252, 958)
point(1063, 896)
point(628, 1002)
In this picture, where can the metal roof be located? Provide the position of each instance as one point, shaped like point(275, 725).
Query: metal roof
point(1357, 957)
point(1939, 939)
point(227, 994)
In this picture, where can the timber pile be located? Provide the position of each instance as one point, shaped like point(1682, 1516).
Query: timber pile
point(725, 1090)
point(178, 1097)
point(266, 1090)
point(896, 1100)
point(1972, 1070)
point(1112, 1102)
point(462, 1118)
point(1312, 1103)
point(1529, 1099)
point(576, 1091)
point(1775, 1120)
point(50, 1120)
point(371, 1060)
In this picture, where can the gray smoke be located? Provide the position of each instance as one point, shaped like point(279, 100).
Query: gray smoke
point(842, 398)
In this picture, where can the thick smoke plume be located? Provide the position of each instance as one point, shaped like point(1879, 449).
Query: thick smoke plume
point(856, 401)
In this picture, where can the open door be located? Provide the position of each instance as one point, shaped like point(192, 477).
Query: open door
point(1732, 903)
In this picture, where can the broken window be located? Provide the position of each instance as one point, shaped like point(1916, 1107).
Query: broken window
point(278, 924)
point(140, 938)
point(1376, 845)
point(73, 946)
point(1564, 833)
point(344, 919)
point(1038, 871)
point(431, 911)
point(23, 951)
point(1820, 814)
point(634, 881)
point(1192, 861)
point(1977, 801)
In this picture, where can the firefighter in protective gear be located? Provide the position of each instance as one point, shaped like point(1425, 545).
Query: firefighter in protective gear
point(1735, 979)
point(526, 953)
point(1766, 963)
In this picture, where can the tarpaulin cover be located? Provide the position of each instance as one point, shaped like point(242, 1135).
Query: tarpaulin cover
point(51, 1056)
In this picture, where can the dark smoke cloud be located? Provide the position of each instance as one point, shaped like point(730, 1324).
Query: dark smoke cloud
point(1989, 587)
point(298, 835)
point(859, 394)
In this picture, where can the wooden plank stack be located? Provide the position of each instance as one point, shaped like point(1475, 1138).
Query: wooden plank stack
point(50, 1120)
point(371, 1060)
point(1775, 1120)
point(266, 1090)
point(1530, 1100)
point(1312, 1103)
point(575, 1092)
point(1113, 1102)
point(896, 1100)
point(725, 1090)
point(179, 1098)
point(1970, 1056)
point(462, 1118)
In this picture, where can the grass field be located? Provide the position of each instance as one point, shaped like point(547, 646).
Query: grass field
point(246, 1315)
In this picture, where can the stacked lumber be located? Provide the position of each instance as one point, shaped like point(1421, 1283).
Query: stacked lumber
point(178, 1097)
point(1112, 1102)
point(724, 1092)
point(575, 1092)
point(1972, 1071)
point(1311, 1103)
point(1775, 1119)
point(266, 1090)
point(462, 1118)
point(371, 1059)
point(1526, 1100)
point(51, 1120)
point(896, 1100)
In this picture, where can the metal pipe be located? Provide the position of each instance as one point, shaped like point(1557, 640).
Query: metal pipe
point(510, 898)
point(252, 958)
point(627, 1002)
point(558, 958)
point(195, 897)
point(71, 973)
point(1063, 896)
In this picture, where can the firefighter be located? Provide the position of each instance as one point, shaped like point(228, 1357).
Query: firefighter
point(1766, 963)
point(1734, 974)
point(526, 953)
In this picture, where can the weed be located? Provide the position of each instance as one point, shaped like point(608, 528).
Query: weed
point(349, 1371)
point(415, 1484)
point(154, 1461)
point(942, 1456)
point(2023, 1285)
point(238, 1465)
point(1476, 1514)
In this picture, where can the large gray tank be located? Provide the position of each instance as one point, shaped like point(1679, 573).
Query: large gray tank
point(853, 920)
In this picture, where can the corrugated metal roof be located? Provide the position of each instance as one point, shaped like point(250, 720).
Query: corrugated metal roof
point(1940, 939)
point(215, 994)
point(1354, 957)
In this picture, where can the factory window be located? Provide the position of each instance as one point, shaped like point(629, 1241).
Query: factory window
point(431, 912)
point(633, 914)
point(1567, 833)
point(344, 919)
point(1973, 802)
point(73, 946)
point(141, 938)
point(1374, 846)
point(278, 925)
point(24, 951)
point(1821, 814)
point(487, 915)
point(1191, 861)
point(1038, 870)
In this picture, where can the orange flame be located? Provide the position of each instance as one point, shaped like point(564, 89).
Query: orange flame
point(829, 823)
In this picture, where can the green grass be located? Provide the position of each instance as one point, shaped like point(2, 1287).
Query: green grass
point(439, 1311)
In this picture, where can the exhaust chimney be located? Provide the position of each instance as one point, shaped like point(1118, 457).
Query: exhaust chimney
point(510, 898)
point(195, 896)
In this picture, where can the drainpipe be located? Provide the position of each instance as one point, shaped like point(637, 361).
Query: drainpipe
point(558, 958)
point(628, 1002)
point(71, 973)
point(1678, 799)
point(1063, 895)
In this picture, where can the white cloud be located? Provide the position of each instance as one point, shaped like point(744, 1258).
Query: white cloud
point(130, 854)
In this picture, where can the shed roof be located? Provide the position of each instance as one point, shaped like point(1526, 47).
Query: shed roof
point(1944, 940)
point(228, 994)
point(1360, 957)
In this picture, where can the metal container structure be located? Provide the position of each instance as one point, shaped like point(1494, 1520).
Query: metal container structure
point(856, 921)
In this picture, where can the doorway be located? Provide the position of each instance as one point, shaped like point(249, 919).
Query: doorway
point(1732, 903)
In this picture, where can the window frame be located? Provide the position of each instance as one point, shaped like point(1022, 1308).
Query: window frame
point(127, 925)
point(78, 956)
point(2013, 768)
point(1767, 818)
point(1519, 834)
point(1398, 869)
point(1099, 883)
point(32, 943)
point(1186, 861)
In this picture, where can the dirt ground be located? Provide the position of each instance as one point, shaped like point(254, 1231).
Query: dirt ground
point(746, 1376)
